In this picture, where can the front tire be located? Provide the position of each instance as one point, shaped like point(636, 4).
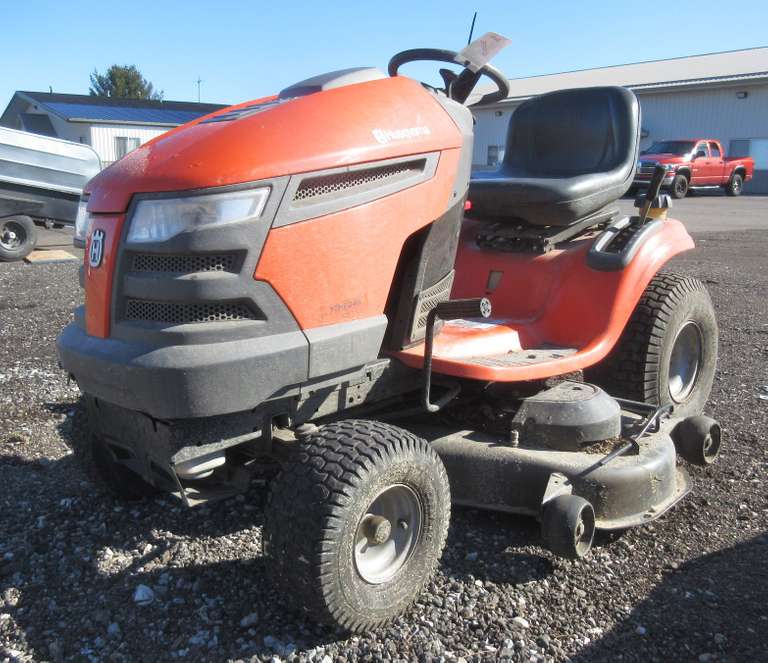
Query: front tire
point(119, 481)
point(667, 353)
point(356, 523)
point(18, 237)
point(735, 185)
point(679, 187)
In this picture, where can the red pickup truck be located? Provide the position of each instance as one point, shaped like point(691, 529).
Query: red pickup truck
point(694, 164)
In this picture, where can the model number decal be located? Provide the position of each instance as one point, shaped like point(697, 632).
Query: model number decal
point(385, 136)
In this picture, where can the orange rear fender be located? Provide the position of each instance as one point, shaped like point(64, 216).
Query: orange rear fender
point(550, 300)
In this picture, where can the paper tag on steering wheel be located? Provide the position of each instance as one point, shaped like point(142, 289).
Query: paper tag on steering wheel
point(481, 51)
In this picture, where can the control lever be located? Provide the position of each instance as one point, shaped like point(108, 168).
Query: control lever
point(479, 307)
point(653, 190)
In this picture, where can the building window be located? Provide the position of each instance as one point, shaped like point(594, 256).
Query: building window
point(125, 144)
point(495, 154)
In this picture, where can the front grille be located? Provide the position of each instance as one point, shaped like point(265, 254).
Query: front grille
point(646, 168)
point(184, 264)
point(314, 188)
point(144, 310)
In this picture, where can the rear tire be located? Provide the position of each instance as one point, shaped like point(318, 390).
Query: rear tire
point(18, 237)
point(735, 185)
point(679, 187)
point(356, 522)
point(667, 353)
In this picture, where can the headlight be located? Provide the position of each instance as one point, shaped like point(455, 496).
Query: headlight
point(670, 166)
point(82, 221)
point(159, 220)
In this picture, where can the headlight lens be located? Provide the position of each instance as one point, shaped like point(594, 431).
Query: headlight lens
point(82, 221)
point(159, 220)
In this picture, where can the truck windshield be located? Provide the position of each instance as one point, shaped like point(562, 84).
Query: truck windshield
point(678, 147)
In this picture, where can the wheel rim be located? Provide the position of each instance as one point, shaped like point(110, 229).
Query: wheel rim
point(387, 534)
point(736, 184)
point(584, 532)
point(12, 235)
point(684, 361)
point(681, 186)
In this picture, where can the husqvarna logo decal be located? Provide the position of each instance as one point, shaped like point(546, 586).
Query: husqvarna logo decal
point(96, 253)
point(385, 136)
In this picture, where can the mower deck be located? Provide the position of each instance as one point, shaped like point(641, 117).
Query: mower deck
point(486, 472)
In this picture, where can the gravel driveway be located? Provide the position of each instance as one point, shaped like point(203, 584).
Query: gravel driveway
point(83, 578)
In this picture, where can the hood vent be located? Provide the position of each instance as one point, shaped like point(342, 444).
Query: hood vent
point(327, 191)
point(316, 189)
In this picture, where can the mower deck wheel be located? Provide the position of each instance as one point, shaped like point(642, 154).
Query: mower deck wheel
point(697, 440)
point(356, 522)
point(568, 526)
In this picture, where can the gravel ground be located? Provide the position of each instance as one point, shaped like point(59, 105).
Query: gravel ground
point(83, 578)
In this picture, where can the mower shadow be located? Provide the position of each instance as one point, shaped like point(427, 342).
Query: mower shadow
point(707, 608)
point(76, 574)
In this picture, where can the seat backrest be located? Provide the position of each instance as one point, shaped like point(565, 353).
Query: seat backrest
point(574, 132)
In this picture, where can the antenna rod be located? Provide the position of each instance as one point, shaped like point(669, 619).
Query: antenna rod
point(198, 81)
point(472, 29)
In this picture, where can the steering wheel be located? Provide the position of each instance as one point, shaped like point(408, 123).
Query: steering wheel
point(458, 87)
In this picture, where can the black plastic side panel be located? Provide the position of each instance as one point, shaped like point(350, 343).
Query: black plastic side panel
point(427, 258)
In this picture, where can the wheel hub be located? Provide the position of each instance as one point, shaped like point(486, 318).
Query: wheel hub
point(684, 361)
point(377, 529)
point(387, 533)
point(12, 236)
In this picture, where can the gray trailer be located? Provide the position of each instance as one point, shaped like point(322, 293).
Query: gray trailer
point(41, 180)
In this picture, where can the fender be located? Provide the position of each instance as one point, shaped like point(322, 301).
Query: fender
point(552, 300)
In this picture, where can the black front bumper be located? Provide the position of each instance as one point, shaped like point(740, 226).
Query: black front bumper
point(183, 381)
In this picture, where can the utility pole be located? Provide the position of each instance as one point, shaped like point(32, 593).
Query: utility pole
point(198, 81)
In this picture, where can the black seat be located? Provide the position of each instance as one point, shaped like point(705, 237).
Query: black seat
point(568, 154)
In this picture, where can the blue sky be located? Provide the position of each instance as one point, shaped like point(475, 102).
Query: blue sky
point(243, 50)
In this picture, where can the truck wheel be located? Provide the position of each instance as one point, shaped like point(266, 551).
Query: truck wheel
point(668, 350)
point(679, 188)
point(356, 522)
point(735, 185)
point(18, 236)
point(116, 478)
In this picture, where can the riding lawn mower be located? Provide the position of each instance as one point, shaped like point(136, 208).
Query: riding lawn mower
point(315, 282)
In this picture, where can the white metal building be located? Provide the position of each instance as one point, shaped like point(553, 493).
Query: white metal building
point(113, 127)
point(718, 95)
